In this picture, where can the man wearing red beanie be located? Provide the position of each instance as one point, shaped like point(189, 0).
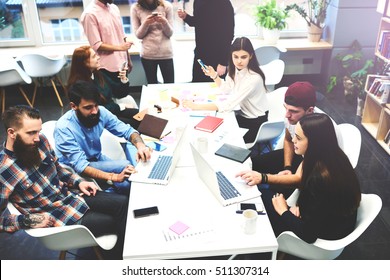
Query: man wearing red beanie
point(299, 100)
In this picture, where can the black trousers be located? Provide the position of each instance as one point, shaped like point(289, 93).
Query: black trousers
point(166, 68)
point(126, 116)
point(252, 124)
point(107, 215)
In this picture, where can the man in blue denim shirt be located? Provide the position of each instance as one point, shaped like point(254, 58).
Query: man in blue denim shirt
point(77, 137)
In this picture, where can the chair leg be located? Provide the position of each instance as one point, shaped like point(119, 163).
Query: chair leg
point(62, 255)
point(99, 255)
point(34, 94)
point(55, 89)
point(280, 255)
point(25, 96)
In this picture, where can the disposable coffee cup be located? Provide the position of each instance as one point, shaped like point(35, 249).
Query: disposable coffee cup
point(250, 221)
point(202, 145)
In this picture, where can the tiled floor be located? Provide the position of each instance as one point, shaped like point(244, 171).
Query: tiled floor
point(373, 170)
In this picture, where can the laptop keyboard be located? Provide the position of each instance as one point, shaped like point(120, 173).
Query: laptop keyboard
point(227, 189)
point(160, 168)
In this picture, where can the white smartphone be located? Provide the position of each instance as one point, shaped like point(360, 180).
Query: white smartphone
point(155, 14)
point(202, 65)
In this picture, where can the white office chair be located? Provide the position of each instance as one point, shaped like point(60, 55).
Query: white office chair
point(274, 127)
point(111, 146)
point(270, 63)
point(12, 74)
point(350, 141)
point(321, 249)
point(39, 66)
point(71, 237)
point(266, 54)
point(268, 131)
point(276, 111)
point(273, 72)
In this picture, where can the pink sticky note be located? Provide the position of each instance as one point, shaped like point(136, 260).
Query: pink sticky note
point(178, 227)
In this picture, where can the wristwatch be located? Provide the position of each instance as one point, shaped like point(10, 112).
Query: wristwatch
point(109, 181)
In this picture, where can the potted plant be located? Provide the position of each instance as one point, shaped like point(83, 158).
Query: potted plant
point(272, 18)
point(314, 15)
point(351, 72)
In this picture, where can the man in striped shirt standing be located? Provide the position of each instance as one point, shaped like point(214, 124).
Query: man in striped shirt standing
point(45, 193)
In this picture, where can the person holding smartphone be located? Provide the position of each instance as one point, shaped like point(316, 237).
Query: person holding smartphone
point(245, 83)
point(152, 22)
point(214, 31)
point(114, 91)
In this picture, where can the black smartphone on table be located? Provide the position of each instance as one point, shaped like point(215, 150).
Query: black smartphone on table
point(144, 212)
point(258, 207)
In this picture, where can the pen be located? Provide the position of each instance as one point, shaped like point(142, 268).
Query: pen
point(165, 135)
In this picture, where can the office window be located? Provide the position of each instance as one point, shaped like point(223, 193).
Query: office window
point(126, 24)
point(26, 22)
point(59, 20)
point(12, 23)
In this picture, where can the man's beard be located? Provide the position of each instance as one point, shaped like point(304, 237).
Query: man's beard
point(89, 121)
point(28, 155)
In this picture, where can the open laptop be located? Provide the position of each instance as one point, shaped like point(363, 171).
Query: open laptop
point(159, 169)
point(227, 191)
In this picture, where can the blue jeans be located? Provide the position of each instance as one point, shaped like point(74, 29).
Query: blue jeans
point(106, 164)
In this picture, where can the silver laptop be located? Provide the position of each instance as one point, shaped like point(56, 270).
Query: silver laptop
point(159, 169)
point(224, 187)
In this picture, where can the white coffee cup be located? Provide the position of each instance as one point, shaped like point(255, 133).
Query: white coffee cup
point(250, 221)
point(202, 144)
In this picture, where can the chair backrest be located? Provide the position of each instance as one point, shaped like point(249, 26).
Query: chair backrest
point(268, 130)
point(111, 146)
point(289, 243)
point(277, 111)
point(350, 141)
point(48, 131)
point(273, 72)
point(11, 73)
point(37, 65)
point(266, 54)
point(68, 237)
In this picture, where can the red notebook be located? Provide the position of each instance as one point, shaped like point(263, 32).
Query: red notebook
point(209, 124)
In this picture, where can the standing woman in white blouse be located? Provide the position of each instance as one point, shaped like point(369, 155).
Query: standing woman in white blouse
point(152, 22)
point(246, 84)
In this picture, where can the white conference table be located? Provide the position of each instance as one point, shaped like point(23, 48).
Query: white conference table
point(212, 229)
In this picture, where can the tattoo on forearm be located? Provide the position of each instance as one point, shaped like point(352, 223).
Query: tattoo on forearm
point(136, 138)
point(35, 219)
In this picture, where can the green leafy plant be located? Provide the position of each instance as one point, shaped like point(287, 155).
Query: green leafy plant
point(351, 71)
point(315, 12)
point(270, 16)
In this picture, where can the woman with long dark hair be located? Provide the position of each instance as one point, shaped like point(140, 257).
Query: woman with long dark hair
point(246, 84)
point(114, 93)
point(329, 190)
